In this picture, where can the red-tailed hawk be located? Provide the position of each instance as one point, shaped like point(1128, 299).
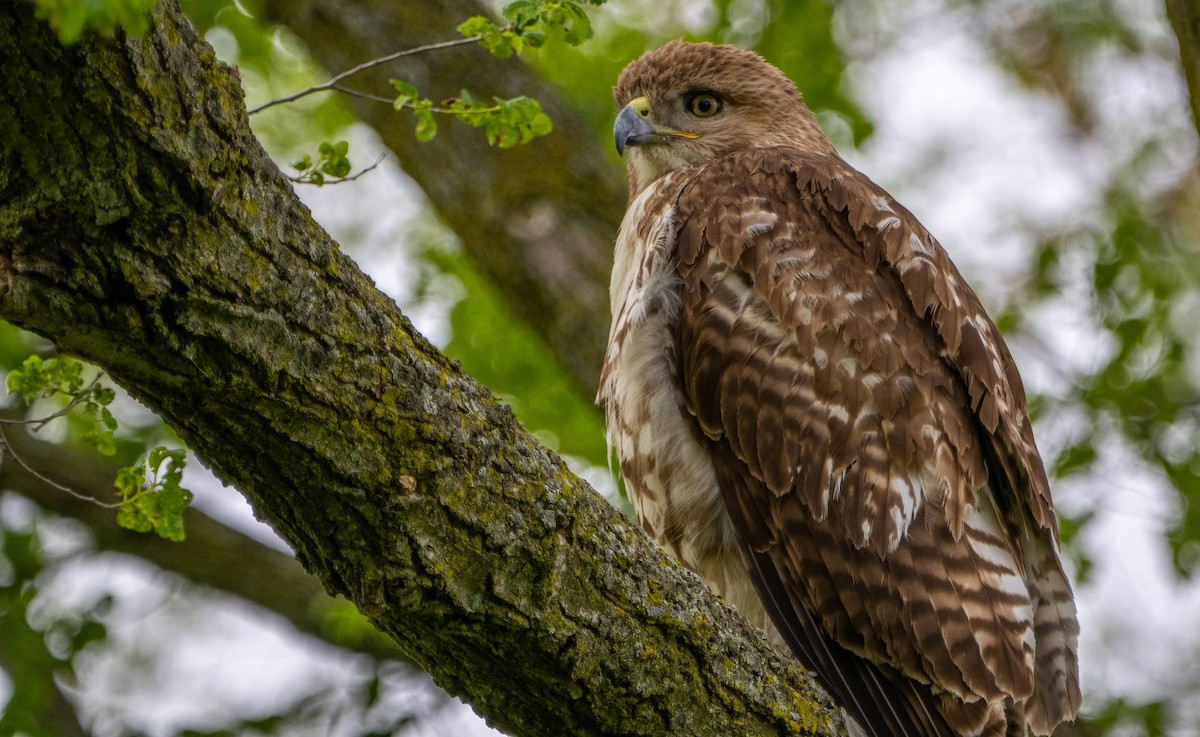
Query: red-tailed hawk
point(814, 413)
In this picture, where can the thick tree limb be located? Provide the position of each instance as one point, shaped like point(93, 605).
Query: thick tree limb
point(143, 228)
point(1185, 21)
point(540, 226)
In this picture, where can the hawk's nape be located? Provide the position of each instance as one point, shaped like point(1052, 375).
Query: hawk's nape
point(813, 412)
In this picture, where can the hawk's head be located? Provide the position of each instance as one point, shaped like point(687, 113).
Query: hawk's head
point(685, 103)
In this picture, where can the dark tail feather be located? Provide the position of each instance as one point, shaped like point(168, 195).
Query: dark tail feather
point(882, 706)
point(881, 701)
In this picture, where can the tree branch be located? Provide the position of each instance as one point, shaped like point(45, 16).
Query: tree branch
point(143, 228)
point(335, 81)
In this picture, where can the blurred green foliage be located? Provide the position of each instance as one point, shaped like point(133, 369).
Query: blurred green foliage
point(70, 18)
point(1142, 278)
point(797, 36)
point(37, 652)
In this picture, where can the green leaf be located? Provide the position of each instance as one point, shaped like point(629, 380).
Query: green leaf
point(40, 377)
point(156, 506)
point(523, 13)
point(331, 161)
point(426, 125)
point(578, 27)
point(129, 480)
point(477, 25)
point(517, 121)
point(541, 125)
point(337, 168)
point(499, 41)
point(103, 396)
point(407, 95)
point(100, 441)
point(336, 164)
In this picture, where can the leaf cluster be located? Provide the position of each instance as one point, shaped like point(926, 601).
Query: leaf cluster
point(44, 378)
point(155, 506)
point(152, 498)
point(331, 161)
point(528, 22)
point(507, 123)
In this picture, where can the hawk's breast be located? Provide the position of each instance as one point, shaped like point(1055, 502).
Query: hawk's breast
point(668, 473)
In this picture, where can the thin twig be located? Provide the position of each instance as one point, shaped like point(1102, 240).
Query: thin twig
point(6, 448)
point(302, 180)
point(333, 83)
point(365, 95)
point(41, 422)
point(410, 106)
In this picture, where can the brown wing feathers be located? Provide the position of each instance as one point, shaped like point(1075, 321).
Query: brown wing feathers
point(809, 359)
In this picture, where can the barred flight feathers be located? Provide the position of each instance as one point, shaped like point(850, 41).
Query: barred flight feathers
point(813, 411)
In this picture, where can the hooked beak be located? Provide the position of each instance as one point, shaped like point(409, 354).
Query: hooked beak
point(633, 127)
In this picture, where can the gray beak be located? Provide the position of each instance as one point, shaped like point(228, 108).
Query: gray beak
point(631, 129)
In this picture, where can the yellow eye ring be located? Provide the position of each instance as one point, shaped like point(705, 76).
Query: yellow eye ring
point(704, 105)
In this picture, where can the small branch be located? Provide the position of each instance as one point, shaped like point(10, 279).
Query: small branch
point(365, 95)
point(351, 178)
point(391, 101)
point(6, 448)
point(41, 422)
point(333, 83)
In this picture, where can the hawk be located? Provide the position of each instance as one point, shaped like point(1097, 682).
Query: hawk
point(813, 412)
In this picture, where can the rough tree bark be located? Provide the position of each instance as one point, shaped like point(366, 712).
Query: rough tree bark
point(143, 228)
point(574, 276)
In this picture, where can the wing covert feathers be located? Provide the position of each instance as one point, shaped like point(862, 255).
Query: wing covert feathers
point(871, 439)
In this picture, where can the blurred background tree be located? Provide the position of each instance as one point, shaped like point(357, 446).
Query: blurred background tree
point(1049, 145)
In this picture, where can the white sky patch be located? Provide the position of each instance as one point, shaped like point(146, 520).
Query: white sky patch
point(226, 505)
point(968, 151)
point(1139, 640)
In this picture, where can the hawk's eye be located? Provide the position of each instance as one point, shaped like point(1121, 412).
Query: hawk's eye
point(704, 104)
